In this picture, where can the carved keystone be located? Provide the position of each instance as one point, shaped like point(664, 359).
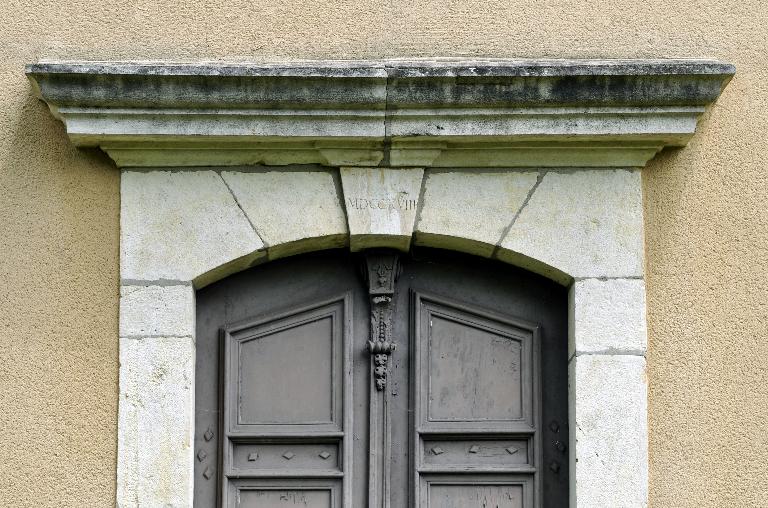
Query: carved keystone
point(381, 205)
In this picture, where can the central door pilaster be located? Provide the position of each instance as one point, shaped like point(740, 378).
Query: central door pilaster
point(381, 272)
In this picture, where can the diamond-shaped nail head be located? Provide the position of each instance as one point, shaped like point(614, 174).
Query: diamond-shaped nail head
point(288, 455)
point(208, 435)
point(474, 449)
point(207, 473)
point(324, 455)
point(511, 450)
point(555, 467)
point(437, 450)
point(253, 456)
point(201, 455)
point(554, 427)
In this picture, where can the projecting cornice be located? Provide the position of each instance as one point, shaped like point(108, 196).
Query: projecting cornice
point(444, 113)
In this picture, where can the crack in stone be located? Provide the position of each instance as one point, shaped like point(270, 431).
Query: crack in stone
point(237, 202)
point(507, 229)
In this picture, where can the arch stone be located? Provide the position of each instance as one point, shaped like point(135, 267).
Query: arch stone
point(534, 163)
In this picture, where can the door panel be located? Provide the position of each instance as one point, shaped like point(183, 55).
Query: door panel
point(286, 395)
point(476, 403)
point(474, 372)
point(470, 491)
point(287, 401)
point(274, 493)
point(287, 374)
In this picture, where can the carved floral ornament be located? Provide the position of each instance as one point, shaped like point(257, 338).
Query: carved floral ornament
point(363, 117)
point(382, 270)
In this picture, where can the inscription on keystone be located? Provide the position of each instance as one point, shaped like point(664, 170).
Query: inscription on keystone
point(381, 206)
point(398, 202)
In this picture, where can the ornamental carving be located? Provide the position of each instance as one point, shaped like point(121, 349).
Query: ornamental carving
point(381, 270)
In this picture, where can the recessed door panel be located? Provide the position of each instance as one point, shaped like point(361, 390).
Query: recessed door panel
point(471, 491)
point(474, 373)
point(284, 376)
point(284, 494)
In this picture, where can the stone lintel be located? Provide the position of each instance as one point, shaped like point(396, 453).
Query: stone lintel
point(441, 113)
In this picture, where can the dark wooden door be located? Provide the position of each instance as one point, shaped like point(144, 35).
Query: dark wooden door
point(381, 380)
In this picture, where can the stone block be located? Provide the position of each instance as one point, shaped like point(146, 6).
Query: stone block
point(292, 211)
point(608, 431)
point(584, 223)
point(381, 205)
point(156, 420)
point(157, 310)
point(470, 210)
point(180, 225)
point(607, 316)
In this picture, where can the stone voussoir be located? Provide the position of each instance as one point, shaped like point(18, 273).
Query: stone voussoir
point(470, 210)
point(293, 211)
point(180, 225)
point(584, 223)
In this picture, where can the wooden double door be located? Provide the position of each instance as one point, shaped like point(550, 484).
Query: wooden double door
point(381, 380)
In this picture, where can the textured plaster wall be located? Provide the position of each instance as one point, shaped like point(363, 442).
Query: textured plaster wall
point(706, 218)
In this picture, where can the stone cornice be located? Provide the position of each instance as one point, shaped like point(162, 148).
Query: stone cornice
point(444, 113)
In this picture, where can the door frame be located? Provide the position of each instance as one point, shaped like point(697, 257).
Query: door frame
point(607, 331)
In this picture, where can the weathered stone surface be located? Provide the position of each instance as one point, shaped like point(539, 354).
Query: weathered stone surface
point(608, 431)
point(607, 316)
point(157, 310)
point(181, 225)
point(381, 205)
point(446, 113)
point(156, 420)
point(293, 211)
point(470, 210)
point(584, 223)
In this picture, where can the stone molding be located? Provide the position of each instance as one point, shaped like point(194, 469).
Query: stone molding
point(444, 113)
point(534, 163)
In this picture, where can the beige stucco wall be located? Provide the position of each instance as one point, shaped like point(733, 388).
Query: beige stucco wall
point(706, 218)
